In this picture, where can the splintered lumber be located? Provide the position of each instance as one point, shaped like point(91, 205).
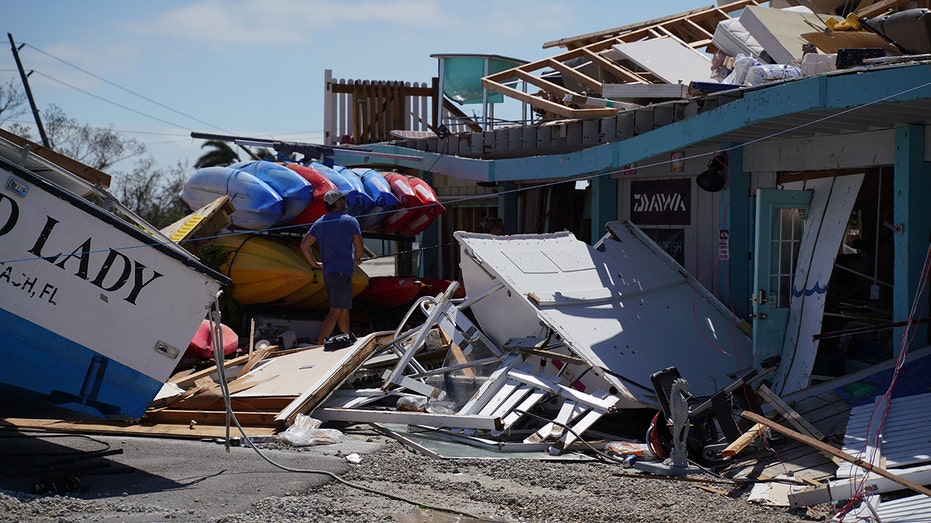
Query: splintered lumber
point(217, 417)
point(745, 439)
point(189, 379)
point(789, 413)
point(824, 447)
point(143, 428)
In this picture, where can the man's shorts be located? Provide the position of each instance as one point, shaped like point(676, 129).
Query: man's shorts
point(339, 289)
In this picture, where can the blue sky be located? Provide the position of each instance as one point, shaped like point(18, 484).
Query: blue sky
point(156, 71)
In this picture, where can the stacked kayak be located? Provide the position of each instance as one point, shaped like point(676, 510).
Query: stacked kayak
point(258, 205)
point(267, 271)
point(378, 189)
point(264, 271)
point(268, 195)
point(321, 184)
point(350, 185)
point(391, 291)
point(295, 191)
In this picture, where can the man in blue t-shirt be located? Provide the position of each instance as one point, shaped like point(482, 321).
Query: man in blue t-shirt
point(340, 241)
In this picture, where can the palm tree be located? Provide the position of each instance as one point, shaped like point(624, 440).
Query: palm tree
point(222, 155)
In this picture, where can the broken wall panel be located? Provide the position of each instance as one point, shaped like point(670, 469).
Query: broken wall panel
point(627, 312)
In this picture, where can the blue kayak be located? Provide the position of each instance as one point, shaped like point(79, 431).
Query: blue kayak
point(385, 201)
point(360, 203)
point(258, 205)
point(377, 187)
point(296, 191)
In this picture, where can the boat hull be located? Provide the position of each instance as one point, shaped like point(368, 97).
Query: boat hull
point(94, 313)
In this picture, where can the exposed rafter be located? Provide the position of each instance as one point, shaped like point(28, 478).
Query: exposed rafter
point(588, 70)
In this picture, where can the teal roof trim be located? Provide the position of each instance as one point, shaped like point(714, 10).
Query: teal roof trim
point(835, 92)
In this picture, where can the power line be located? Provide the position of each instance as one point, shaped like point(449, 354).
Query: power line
point(146, 98)
point(102, 99)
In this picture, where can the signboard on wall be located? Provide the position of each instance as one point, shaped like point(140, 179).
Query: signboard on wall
point(670, 240)
point(661, 202)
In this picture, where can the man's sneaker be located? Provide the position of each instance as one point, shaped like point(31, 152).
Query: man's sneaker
point(339, 341)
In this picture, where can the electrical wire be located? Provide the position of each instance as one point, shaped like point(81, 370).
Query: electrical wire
point(134, 93)
point(231, 419)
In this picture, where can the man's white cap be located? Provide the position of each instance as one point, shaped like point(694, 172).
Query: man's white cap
point(332, 196)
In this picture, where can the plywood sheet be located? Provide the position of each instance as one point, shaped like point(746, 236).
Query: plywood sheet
point(830, 43)
point(670, 59)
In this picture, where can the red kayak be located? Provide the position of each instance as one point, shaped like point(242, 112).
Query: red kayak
point(429, 207)
point(408, 203)
point(390, 291)
point(201, 345)
point(321, 184)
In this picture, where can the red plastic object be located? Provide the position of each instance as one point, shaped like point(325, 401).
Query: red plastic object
point(201, 345)
point(390, 291)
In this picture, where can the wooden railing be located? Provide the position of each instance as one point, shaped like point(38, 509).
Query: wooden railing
point(366, 111)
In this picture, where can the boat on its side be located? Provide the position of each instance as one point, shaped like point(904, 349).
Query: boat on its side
point(96, 305)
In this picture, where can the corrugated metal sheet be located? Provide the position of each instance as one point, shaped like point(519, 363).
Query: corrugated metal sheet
point(905, 436)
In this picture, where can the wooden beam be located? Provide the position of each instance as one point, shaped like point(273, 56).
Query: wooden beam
point(216, 417)
point(879, 8)
point(610, 66)
point(547, 105)
point(573, 74)
point(741, 443)
point(824, 447)
point(789, 413)
point(143, 428)
point(85, 172)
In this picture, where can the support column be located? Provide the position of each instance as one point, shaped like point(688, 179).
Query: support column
point(429, 265)
point(507, 206)
point(604, 204)
point(911, 189)
point(737, 214)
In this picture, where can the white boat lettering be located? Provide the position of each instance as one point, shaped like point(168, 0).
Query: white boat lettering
point(27, 284)
point(114, 272)
point(658, 203)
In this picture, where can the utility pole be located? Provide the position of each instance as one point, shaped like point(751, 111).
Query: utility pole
point(32, 102)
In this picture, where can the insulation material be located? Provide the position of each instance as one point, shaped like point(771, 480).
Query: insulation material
point(733, 39)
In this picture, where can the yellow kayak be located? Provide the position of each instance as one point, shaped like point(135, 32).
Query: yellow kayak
point(265, 271)
point(360, 281)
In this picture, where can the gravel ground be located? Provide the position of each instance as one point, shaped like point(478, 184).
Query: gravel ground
point(513, 490)
point(399, 485)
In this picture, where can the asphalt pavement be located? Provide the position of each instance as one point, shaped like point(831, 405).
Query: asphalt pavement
point(201, 478)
